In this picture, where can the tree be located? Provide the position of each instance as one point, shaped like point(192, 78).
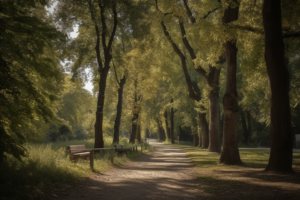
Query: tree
point(281, 156)
point(194, 91)
point(30, 73)
point(121, 84)
point(230, 152)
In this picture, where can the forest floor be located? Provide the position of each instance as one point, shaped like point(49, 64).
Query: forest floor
point(176, 172)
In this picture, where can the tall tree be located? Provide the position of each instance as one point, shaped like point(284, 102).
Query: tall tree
point(230, 153)
point(281, 156)
point(193, 89)
point(103, 68)
point(212, 78)
point(121, 84)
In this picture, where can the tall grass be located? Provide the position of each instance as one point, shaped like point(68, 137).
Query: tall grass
point(47, 166)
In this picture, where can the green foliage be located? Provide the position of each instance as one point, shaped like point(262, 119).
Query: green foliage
point(59, 132)
point(30, 72)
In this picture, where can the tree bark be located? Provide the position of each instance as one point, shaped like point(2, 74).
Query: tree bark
point(166, 122)
point(281, 155)
point(214, 110)
point(204, 130)
point(230, 154)
point(119, 111)
point(138, 133)
point(245, 129)
point(195, 140)
point(133, 128)
point(172, 124)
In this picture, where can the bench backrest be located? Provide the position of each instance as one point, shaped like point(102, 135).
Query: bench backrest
point(74, 148)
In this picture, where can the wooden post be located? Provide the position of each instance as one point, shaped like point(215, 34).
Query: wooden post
point(92, 159)
point(112, 156)
point(142, 148)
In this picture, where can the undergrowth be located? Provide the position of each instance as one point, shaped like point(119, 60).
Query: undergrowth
point(47, 167)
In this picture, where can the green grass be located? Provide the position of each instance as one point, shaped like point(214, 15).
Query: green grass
point(211, 175)
point(47, 167)
point(250, 157)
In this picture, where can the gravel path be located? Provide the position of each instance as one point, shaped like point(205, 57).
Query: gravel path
point(166, 173)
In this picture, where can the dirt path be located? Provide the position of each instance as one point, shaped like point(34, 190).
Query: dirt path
point(166, 173)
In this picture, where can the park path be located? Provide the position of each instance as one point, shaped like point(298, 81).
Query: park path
point(166, 173)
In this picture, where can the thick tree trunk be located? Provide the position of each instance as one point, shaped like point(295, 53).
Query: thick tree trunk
point(195, 140)
point(230, 154)
point(214, 111)
point(119, 111)
point(172, 124)
point(281, 155)
point(99, 143)
point(204, 130)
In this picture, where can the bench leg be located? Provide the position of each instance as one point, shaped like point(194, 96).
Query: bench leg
point(112, 156)
point(92, 159)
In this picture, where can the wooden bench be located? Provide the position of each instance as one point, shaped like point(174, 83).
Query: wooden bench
point(78, 151)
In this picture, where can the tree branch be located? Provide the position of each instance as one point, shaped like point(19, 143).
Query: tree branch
point(114, 27)
point(102, 8)
point(97, 48)
point(205, 16)
point(188, 11)
point(183, 63)
point(187, 45)
point(116, 73)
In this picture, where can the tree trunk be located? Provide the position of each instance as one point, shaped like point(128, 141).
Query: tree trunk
point(204, 130)
point(102, 70)
point(214, 111)
point(172, 124)
point(119, 111)
point(138, 133)
point(245, 129)
point(133, 128)
point(147, 133)
point(281, 155)
point(166, 121)
point(221, 128)
point(195, 140)
point(249, 125)
point(135, 117)
point(230, 154)
point(99, 143)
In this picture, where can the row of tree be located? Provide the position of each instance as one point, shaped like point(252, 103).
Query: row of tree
point(164, 65)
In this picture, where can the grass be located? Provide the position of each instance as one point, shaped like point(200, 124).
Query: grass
point(48, 167)
point(218, 179)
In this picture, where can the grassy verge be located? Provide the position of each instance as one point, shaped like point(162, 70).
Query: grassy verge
point(48, 167)
point(248, 181)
